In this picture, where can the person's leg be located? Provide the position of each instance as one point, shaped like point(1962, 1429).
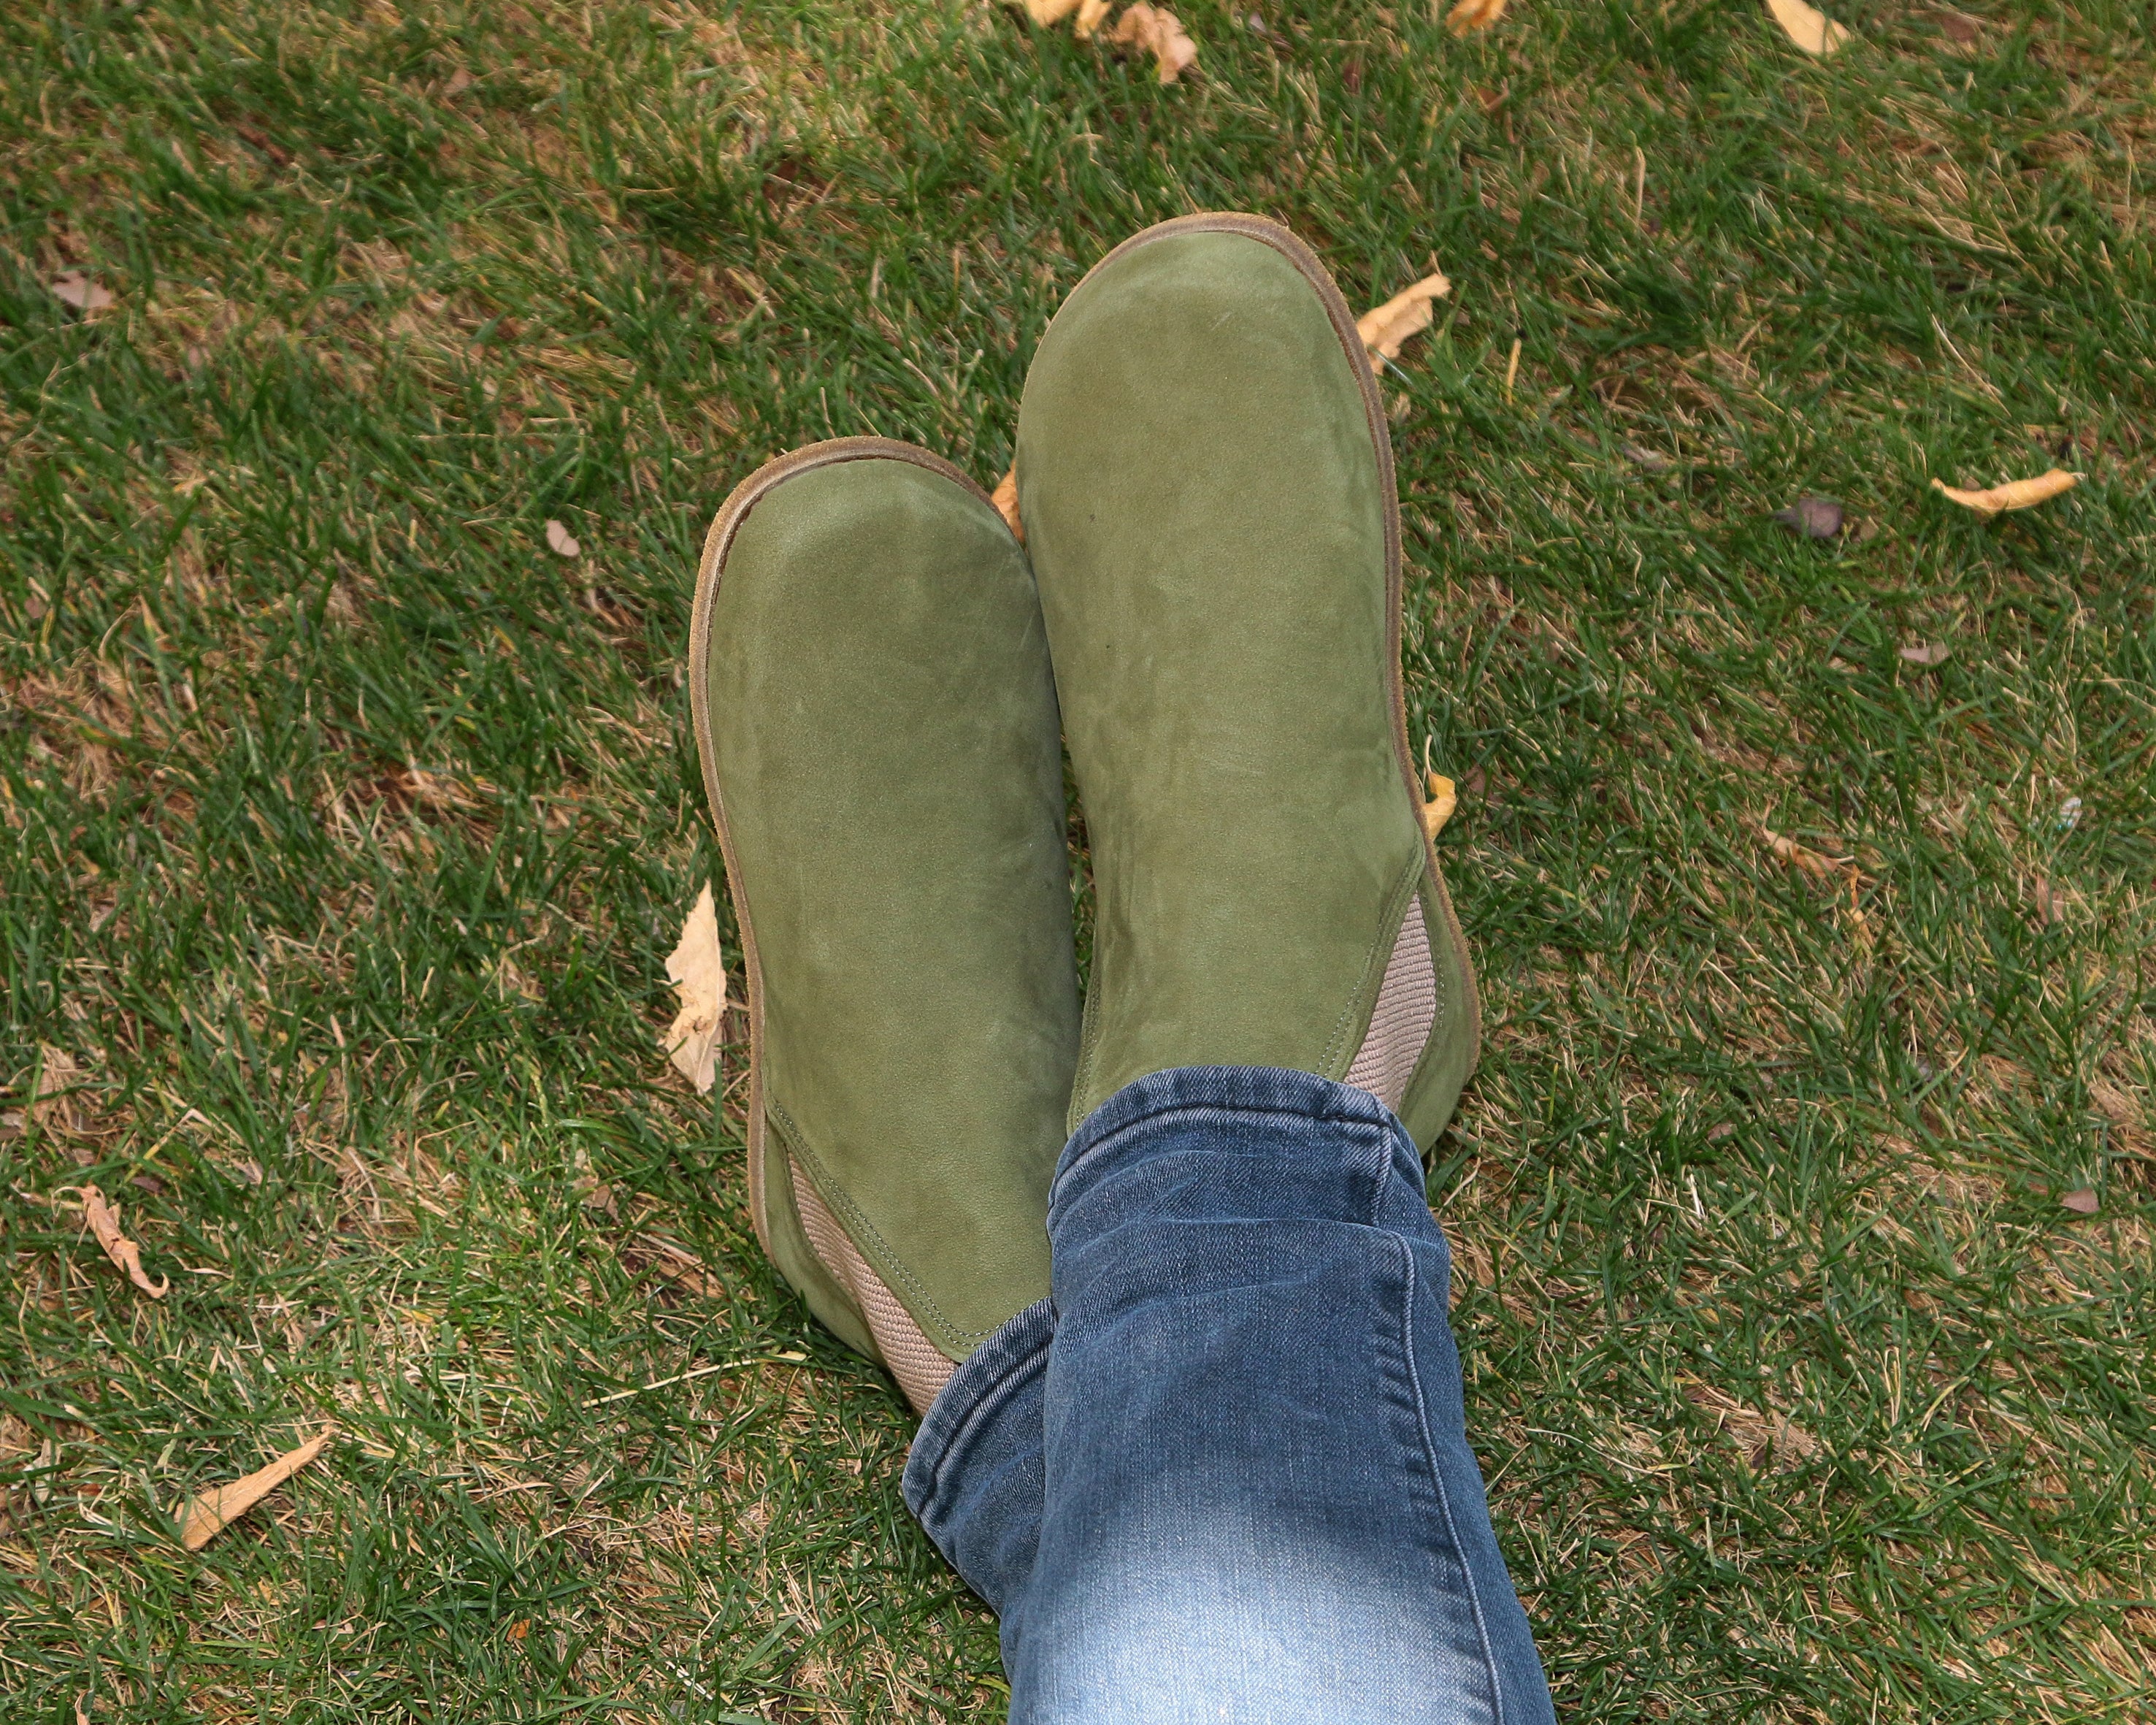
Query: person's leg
point(1255, 1498)
point(1229, 1479)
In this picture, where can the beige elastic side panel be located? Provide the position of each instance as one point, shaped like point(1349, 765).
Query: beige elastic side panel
point(912, 1358)
point(1400, 1022)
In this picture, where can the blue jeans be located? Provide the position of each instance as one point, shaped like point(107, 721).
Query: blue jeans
point(1223, 1474)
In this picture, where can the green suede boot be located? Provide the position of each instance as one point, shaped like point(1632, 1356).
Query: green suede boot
point(877, 725)
point(1206, 484)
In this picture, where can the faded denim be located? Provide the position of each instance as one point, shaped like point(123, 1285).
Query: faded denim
point(1222, 1475)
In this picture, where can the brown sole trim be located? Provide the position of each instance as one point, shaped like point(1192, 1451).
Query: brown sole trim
point(1268, 232)
point(744, 498)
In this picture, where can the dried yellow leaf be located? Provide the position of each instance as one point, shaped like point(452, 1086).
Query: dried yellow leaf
point(1443, 799)
point(1474, 15)
point(2016, 494)
point(697, 969)
point(210, 1512)
point(1406, 313)
point(1044, 13)
point(105, 1223)
point(1092, 15)
point(561, 542)
point(1160, 32)
point(1802, 856)
point(1807, 27)
point(56, 1073)
point(1005, 498)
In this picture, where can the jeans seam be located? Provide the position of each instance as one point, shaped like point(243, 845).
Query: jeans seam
point(997, 1394)
point(1437, 1479)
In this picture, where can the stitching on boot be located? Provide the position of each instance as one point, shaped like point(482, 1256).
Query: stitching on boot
point(1388, 933)
point(857, 1229)
point(921, 1369)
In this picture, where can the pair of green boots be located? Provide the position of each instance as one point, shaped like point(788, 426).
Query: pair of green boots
point(1206, 607)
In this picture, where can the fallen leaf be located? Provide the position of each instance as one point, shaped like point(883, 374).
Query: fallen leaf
point(2070, 813)
point(1812, 517)
point(208, 1512)
point(2015, 494)
point(82, 1709)
point(57, 1072)
point(2046, 900)
point(1858, 926)
point(105, 1223)
point(591, 1190)
point(75, 289)
point(1803, 857)
point(1473, 15)
point(1807, 26)
point(2116, 1106)
point(697, 970)
point(2081, 1202)
point(460, 80)
point(561, 541)
point(520, 1629)
point(1091, 14)
point(1647, 458)
point(1005, 498)
point(1955, 28)
point(1160, 32)
point(1443, 799)
point(1930, 652)
point(1406, 313)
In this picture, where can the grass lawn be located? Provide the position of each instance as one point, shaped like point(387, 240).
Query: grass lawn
point(347, 826)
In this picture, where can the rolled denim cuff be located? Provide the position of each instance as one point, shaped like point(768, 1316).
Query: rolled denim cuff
point(973, 1476)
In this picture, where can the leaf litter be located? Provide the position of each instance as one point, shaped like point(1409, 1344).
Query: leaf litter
point(697, 969)
point(73, 287)
point(1153, 30)
point(104, 1221)
point(1806, 859)
point(1005, 498)
point(50, 1108)
point(1385, 328)
point(2015, 494)
point(208, 1513)
point(1812, 517)
point(1159, 32)
point(1444, 797)
point(1468, 15)
point(1807, 27)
